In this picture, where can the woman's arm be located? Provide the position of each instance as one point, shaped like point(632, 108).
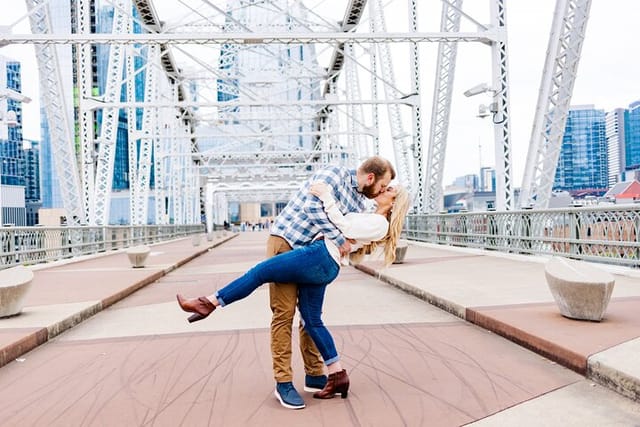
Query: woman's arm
point(321, 191)
point(359, 226)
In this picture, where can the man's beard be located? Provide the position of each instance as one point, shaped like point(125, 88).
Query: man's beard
point(368, 191)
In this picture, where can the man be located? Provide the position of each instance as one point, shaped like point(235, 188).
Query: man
point(300, 221)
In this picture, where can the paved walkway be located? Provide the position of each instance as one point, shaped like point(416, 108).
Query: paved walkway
point(109, 346)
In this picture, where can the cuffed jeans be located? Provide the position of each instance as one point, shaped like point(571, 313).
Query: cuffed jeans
point(311, 268)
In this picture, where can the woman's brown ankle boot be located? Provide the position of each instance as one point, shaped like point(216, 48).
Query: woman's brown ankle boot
point(201, 307)
point(337, 382)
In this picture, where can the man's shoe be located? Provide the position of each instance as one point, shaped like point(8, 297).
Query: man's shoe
point(313, 383)
point(288, 396)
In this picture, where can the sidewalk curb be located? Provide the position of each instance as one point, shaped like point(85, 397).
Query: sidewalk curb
point(43, 334)
point(600, 370)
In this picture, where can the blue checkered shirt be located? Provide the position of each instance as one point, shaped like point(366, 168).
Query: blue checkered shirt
point(304, 216)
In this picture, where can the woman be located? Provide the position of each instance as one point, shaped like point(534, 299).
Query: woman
point(313, 267)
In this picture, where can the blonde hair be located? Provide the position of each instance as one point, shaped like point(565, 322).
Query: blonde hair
point(396, 218)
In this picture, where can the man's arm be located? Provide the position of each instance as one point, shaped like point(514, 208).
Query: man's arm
point(315, 210)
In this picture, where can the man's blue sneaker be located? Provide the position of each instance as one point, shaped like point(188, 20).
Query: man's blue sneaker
point(288, 396)
point(314, 383)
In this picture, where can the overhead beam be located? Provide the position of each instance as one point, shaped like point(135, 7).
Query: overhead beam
point(249, 38)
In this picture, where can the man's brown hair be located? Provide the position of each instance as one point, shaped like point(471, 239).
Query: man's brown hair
point(378, 166)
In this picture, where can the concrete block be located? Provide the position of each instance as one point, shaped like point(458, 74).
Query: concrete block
point(138, 255)
point(401, 251)
point(15, 282)
point(195, 240)
point(580, 290)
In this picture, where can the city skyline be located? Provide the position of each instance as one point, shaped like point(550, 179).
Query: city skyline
point(607, 84)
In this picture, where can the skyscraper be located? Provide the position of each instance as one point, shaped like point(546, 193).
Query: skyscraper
point(33, 199)
point(632, 137)
point(615, 134)
point(12, 172)
point(583, 159)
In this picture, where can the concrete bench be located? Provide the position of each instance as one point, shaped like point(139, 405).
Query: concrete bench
point(14, 285)
point(138, 255)
point(580, 290)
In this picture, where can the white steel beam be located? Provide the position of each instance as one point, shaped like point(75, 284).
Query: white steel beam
point(416, 149)
point(54, 105)
point(109, 126)
point(86, 115)
point(501, 120)
point(249, 38)
point(142, 163)
point(433, 198)
point(554, 99)
point(399, 137)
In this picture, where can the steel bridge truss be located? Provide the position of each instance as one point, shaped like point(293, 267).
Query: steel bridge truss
point(260, 100)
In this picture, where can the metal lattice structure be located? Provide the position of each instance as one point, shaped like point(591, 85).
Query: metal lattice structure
point(561, 66)
point(242, 101)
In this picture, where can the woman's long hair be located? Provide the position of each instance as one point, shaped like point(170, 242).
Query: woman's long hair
point(396, 221)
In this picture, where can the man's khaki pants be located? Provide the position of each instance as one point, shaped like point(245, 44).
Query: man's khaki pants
point(283, 298)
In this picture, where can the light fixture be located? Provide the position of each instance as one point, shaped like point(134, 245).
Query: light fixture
point(478, 89)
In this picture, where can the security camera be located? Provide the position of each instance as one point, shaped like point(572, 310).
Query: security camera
point(478, 89)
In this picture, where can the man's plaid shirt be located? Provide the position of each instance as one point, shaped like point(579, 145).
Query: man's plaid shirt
point(304, 216)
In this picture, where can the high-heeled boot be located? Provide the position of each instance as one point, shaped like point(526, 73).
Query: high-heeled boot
point(201, 307)
point(337, 382)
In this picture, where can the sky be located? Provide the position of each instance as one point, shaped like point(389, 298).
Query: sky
point(607, 75)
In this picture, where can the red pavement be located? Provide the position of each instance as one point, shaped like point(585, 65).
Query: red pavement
point(429, 373)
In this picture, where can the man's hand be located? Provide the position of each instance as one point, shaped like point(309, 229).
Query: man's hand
point(345, 249)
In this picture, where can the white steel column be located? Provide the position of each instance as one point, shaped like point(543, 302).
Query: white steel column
point(398, 135)
point(60, 125)
point(109, 128)
point(133, 134)
point(554, 98)
point(139, 182)
point(85, 115)
point(504, 186)
point(433, 200)
point(375, 116)
point(356, 127)
point(418, 166)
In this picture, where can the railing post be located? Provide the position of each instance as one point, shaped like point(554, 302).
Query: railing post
point(526, 233)
point(492, 231)
point(574, 233)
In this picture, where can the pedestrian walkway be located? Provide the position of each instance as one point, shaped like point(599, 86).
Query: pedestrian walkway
point(118, 351)
point(508, 295)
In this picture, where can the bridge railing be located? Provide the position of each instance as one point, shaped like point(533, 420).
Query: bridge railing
point(32, 245)
point(609, 234)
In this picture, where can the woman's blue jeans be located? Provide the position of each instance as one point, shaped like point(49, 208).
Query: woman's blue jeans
point(312, 269)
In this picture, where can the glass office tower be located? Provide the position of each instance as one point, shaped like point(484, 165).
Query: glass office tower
point(582, 164)
point(12, 172)
point(632, 136)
